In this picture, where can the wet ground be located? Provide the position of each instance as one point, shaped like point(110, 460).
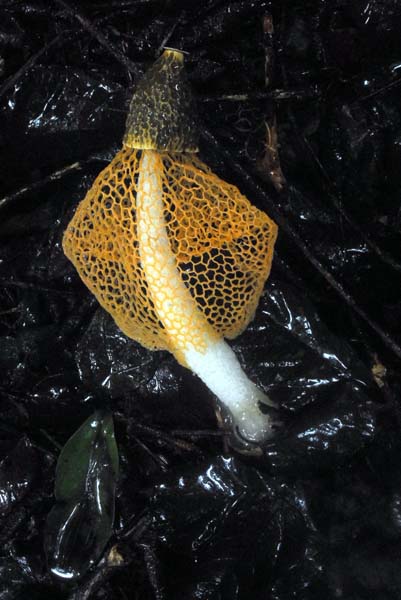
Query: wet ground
point(300, 108)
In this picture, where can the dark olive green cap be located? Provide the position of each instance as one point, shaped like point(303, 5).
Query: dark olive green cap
point(162, 114)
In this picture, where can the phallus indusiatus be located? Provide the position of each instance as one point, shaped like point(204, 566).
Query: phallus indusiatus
point(177, 256)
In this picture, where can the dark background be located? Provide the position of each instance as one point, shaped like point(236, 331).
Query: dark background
point(319, 514)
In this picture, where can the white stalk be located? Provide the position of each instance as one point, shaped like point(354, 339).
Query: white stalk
point(192, 338)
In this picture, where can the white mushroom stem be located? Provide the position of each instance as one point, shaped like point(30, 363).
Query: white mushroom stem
point(195, 344)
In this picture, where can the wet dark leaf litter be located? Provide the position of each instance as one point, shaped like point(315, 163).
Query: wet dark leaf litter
point(319, 514)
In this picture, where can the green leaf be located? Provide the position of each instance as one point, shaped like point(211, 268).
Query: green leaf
point(80, 524)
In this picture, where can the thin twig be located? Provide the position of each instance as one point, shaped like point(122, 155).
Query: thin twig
point(277, 95)
point(200, 433)
point(152, 567)
point(384, 88)
point(337, 205)
point(12, 80)
point(268, 45)
point(51, 439)
point(121, 4)
point(134, 532)
point(100, 37)
point(11, 311)
point(268, 164)
point(24, 285)
point(167, 37)
point(6, 200)
point(97, 578)
point(165, 438)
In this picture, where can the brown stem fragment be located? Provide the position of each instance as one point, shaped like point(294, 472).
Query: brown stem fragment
point(268, 165)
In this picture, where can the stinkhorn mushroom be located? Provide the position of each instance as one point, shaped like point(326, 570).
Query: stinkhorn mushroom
point(177, 256)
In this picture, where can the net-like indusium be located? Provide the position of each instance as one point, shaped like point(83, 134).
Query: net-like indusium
point(222, 245)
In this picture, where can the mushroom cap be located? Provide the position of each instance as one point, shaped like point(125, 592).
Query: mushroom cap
point(222, 244)
point(162, 114)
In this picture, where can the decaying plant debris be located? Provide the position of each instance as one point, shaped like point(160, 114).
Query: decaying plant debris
point(318, 513)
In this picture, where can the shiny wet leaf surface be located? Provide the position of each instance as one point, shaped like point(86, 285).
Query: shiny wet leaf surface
point(317, 515)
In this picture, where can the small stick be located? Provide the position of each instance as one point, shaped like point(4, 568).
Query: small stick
point(28, 188)
point(12, 80)
point(276, 95)
point(384, 256)
point(100, 37)
point(268, 165)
